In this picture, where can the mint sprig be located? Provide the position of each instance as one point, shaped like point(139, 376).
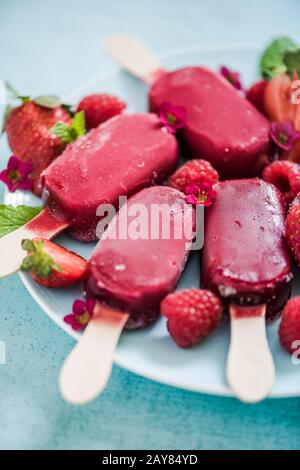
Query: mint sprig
point(38, 261)
point(272, 61)
point(12, 218)
point(69, 133)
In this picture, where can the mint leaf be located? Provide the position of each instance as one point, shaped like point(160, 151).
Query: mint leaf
point(292, 61)
point(11, 218)
point(48, 101)
point(69, 133)
point(272, 59)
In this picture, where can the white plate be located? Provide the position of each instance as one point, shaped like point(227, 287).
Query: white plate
point(151, 352)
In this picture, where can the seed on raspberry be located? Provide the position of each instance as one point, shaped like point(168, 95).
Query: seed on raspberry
point(285, 176)
point(289, 330)
point(192, 314)
point(193, 172)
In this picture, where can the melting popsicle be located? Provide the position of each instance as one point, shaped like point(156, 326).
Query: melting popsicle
point(120, 157)
point(129, 276)
point(245, 261)
point(222, 126)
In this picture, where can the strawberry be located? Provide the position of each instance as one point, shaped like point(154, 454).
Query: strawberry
point(52, 265)
point(278, 104)
point(193, 172)
point(28, 129)
point(285, 176)
point(255, 94)
point(100, 107)
point(289, 329)
point(192, 314)
point(293, 231)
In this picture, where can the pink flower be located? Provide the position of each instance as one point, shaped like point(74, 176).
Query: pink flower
point(172, 117)
point(82, 313)
point(16, 175)
point(284, 134)
point(201, 193)
point(232, 77)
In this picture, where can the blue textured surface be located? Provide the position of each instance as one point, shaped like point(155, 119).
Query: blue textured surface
point(55, 46)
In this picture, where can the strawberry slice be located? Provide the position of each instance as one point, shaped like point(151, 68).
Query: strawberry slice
point(52, 265)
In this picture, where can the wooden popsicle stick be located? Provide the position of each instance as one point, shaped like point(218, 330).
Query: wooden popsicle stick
point(134, 57)
point(250, 366)
point(44, 225)
point(87, 369)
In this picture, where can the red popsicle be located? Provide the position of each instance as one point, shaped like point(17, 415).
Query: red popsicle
point(222, 126)
point(246, 262)
point(129, 273)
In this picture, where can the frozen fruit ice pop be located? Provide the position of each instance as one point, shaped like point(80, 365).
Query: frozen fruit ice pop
point(222, 126)
point(120, 157)
point(134, 275)
point(245, 258)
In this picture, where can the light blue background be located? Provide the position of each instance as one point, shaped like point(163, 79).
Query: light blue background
point(54, 46)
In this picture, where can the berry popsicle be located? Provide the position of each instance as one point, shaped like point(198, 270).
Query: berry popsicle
point(245, 261)
point(123, 155)
point(120, 157)
point(129, 276)
point(222, 126)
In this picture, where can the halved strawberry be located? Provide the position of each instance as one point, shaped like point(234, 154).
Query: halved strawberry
point(278, 104)
point(52, 265)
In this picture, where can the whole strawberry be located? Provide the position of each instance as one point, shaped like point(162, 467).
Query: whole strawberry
point(192, 314)
point(293, 231)
point(289, 330)
point(193, 172)
point(100, 107)
point(28, 129)
point(285, 176)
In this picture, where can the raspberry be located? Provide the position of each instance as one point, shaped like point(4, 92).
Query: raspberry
point(285, 176)
point(193, 172)
point(99, 108)
point(293, 231)
point(295, 202)
point(255, 94)
point(192, 314)
point(289, 330)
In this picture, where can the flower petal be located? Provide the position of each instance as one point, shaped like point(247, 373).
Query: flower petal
point(79, 307)
point(90, 305)
point(25, 168)
point(13, 163)
point(191, 199)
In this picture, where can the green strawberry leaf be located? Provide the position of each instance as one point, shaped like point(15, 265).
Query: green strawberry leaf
point(69, 133)
point(38, 260)
point(292, 61)
point(48, 101)
point(78, 123)
point(272, 59)
point(11, 218)
point(14, 94)
point(7, 110)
